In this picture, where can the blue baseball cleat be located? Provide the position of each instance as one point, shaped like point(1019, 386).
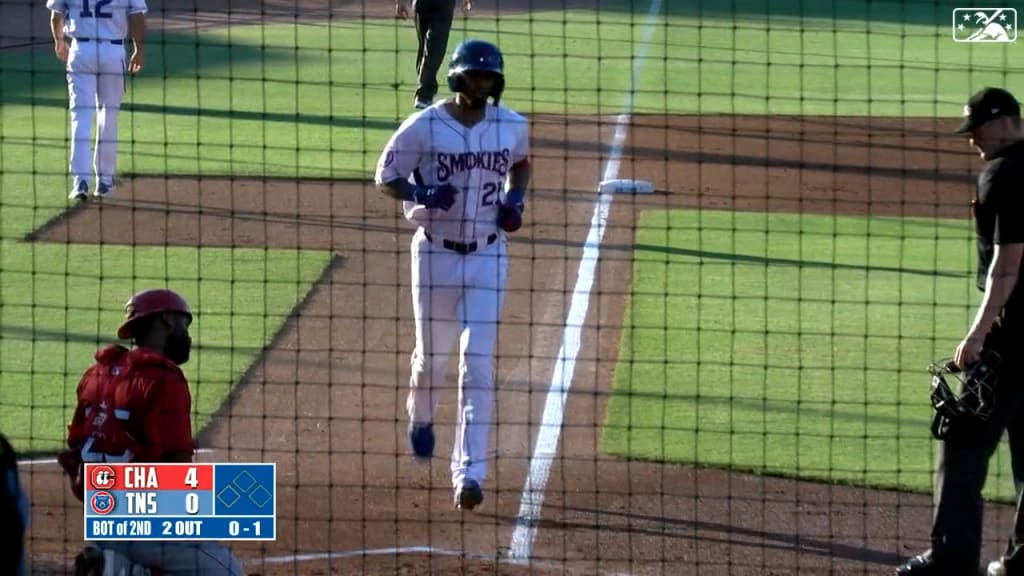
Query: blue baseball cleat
point(468, 495)
point(103, 190)
point(421, 440)
point(80, 191)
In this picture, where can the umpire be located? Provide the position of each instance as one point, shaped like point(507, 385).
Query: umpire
point(433, 20)
point(993, 123)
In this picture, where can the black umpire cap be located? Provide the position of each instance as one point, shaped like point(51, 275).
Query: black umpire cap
point(988, 104)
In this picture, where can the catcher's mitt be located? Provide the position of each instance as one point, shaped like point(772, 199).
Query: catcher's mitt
point(974, 401)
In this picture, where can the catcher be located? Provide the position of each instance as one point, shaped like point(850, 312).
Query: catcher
point(969, 426)
point(134, 405)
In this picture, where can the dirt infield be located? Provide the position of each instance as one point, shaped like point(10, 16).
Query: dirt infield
point(326, 399)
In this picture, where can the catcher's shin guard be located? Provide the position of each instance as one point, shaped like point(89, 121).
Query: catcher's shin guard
point(976, 397)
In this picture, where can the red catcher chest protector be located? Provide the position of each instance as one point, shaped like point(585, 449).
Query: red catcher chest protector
point(106, 438)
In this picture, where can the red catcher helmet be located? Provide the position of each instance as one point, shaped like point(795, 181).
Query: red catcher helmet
point(149, 302)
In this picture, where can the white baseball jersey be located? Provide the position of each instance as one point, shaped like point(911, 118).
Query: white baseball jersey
point(432, 148)
point(97, 19)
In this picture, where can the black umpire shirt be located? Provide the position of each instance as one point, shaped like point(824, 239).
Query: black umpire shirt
point(999, 218)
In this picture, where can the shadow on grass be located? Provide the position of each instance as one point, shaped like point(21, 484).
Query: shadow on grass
point(704, 255)
point(29, 75)
point(43, 335)
point(220, 113)
point(832, 411)
point(711, 532)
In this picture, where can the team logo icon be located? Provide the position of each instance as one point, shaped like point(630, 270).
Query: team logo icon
point(101, 477)
point(102, 502)
point(985, 24)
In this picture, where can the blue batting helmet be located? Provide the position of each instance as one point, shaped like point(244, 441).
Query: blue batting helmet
point(477, 55)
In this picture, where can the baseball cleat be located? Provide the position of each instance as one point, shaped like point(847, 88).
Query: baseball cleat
point(421, 104)
point(89, 562)
point(421, 440)
point(920, 565)
point(103, 190)
point(468, 495)
point(80, 191)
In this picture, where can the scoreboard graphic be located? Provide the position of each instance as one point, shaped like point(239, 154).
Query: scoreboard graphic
point(181, 501)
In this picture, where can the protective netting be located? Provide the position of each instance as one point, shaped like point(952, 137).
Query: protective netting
point(720, 372)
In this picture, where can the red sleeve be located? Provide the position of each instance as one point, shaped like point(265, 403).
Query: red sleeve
point(169, 417)
point(76, 430)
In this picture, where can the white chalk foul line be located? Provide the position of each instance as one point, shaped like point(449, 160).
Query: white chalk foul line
point(561, 379)
point(314, 556)
point(427, 550)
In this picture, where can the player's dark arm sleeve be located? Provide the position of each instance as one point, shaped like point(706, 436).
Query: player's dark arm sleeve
point(1009, 189)
point(1004, 271)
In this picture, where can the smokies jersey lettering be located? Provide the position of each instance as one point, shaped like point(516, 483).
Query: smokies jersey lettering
point(431, 148)
point(97, 19)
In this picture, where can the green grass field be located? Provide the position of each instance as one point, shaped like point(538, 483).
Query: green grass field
point(789, 377)
point(791, 344)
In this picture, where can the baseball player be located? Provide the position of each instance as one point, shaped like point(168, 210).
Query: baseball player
point(461, 168)
point(134, 406)
point(433, 20)
point(89, 37)
point(993, 123)
point(14, 512)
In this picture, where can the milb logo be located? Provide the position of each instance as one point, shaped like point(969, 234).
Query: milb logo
point(984, 25)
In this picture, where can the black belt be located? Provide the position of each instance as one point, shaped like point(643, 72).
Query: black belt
point(463, 247)
point(117, 42)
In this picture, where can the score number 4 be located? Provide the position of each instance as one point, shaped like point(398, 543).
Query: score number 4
point(191, 499)
point(99, 13)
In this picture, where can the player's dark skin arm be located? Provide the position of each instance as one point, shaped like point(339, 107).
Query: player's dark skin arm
point(399, 189)
point(1002, 277)
point(137, 31)
point(57, 31)
point(519, 176)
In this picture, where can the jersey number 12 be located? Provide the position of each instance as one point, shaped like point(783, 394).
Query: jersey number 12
point(86, 13)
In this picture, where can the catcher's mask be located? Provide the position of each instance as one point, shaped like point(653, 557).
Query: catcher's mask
point(976, 397)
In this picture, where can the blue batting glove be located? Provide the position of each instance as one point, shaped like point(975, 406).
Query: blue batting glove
point(514, 198)
point(442, 196)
